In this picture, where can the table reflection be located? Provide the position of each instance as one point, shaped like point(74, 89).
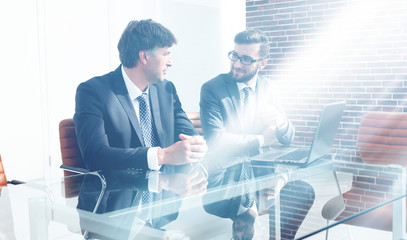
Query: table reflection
point(286, 200)
point(137, 201)
point(187, 201)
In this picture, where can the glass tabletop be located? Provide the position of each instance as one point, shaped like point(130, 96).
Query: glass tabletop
point(207, 201)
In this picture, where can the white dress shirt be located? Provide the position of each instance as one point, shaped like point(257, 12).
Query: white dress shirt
point(252, 104)
point(134, 92)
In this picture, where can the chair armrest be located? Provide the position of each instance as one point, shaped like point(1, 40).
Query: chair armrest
point(15, 182)
point(333, 208)
point(74, 169)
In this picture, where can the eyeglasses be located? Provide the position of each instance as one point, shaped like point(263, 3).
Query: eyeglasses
point(245, 60)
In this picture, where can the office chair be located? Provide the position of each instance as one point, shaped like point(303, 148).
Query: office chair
point(195, 118)
point(334, 207)
point(72, 162)
point(382, 140)
point(71, 155)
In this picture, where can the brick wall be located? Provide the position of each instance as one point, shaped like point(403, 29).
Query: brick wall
point(325, 51)
point(296, 199)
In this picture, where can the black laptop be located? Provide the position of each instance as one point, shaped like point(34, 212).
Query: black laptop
point(321, 145)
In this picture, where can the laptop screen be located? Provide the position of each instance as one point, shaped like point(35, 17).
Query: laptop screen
point(326, 131)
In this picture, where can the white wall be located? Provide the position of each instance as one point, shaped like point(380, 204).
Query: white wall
point(48, 47)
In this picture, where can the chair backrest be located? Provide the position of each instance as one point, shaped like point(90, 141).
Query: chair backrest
point(382, 138)
point(71, 155)
point(3, 180)
point(195, 118)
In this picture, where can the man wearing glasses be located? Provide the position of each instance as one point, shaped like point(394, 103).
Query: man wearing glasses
point(241, 113)
point(241, 110)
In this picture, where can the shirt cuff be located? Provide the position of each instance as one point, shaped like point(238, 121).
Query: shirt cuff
point(152, 159)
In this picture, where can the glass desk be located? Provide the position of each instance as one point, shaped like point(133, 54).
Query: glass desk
point(196, 202)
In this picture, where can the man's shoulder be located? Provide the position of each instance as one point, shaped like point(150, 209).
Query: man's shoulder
point(103, 79)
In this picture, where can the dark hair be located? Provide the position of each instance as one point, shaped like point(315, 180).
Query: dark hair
point(254, 36)
point(143, 35)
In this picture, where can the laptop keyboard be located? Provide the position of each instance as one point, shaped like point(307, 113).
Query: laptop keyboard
point(294, 155)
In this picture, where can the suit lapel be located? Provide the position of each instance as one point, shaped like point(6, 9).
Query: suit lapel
point(155, 110)
point(120, 90)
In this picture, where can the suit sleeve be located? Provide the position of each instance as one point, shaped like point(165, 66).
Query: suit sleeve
point(98, 154)
point(286, 135)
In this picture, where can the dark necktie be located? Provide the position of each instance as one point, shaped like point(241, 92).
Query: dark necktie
point(146, 202)
point(247, 116)
point(247, 91)
point(146, 123)
point(248, 198)
point(150, 141)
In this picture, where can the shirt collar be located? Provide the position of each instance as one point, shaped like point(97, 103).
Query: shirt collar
point(240, 86)
point(133, 90)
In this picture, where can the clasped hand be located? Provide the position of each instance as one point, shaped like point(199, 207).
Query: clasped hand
point(189, 149)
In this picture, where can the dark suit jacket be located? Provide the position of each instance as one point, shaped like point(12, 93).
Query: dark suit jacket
point(108, 132)
point(221, 121)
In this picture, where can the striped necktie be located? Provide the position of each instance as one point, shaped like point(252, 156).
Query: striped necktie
point(150, 140)
point(146, 123)
point(248, 198)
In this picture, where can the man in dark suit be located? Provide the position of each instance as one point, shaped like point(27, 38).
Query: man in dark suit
point(226, 124)
point(132, 117)
point(241, 113)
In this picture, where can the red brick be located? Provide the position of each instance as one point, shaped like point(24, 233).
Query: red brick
point(372, 70)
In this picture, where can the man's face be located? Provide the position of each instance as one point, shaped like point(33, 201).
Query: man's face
point(244, 73)
point(159, 62)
